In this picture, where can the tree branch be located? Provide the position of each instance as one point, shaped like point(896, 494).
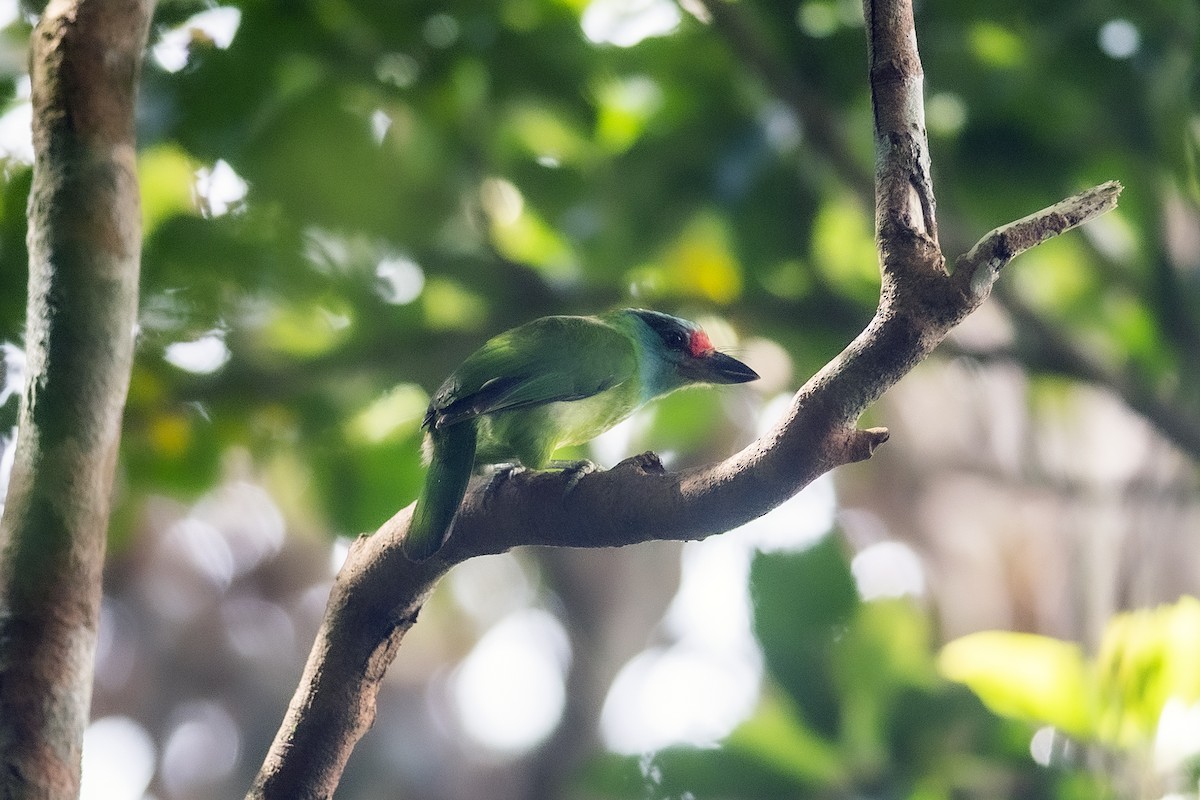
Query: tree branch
point(379, 592)
point(84, 253)
point(1173, 419)
point(980, 267)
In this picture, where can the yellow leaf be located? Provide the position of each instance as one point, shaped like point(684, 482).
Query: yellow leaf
point(844, 247)
point(170, 434)
point(450, 306)
point(1025, 676)
point(309, 329)
point(996, 45)
point(777, 737)
point(1147, 658)
point(700, 263)
point(167, 177)
point(393, 416)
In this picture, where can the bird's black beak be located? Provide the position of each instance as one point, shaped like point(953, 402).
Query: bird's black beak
point(716, 367)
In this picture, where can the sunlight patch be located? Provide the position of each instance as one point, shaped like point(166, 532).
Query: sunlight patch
point(627, 22)
point(16, 125)
point(201, 356)
point(888, 569)
point(219, 189)
point(677, 696)
point(215, 27)
point(9, 11)
point(398, 280)
point(1119, 39)
point(509, 692)
point(201, 750)
point(118, 760)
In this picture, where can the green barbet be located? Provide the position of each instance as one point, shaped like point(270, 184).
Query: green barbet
point(552, 382)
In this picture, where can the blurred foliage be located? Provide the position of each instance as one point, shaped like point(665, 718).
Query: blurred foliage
point(351, 196)
point(1147, 659)
point(1026, 676)
point(855, 708)
point(346, 197)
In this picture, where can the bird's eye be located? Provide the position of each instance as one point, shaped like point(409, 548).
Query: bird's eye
point(675, 340)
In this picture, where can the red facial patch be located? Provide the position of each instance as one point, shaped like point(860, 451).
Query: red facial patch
point(699, 344)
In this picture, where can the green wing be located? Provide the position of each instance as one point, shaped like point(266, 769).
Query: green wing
point(549, 360)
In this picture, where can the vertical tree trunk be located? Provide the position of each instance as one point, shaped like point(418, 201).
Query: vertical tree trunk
point(84, 253)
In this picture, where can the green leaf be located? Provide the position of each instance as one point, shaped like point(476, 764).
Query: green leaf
point(803, 603)
point(173, 448)
point(683, 421)
point(700, 263)
point(778, 739)
point(997, 45)
point(720, 774)
point(1146, 658)
point(843, 248)
point(367, 483)
point(1026, 676)
point(886, 651)
point(308, 329)
point(167, 176)
point(394, 415)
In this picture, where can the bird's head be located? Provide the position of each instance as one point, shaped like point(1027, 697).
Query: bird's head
point(684, 353)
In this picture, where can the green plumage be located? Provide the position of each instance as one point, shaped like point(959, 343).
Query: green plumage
point(552, 382)
point(452, 457)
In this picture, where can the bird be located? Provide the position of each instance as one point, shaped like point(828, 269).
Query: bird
point(552, 382)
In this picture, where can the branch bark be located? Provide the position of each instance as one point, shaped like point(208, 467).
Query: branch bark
point(378, 594)
point(84, 255)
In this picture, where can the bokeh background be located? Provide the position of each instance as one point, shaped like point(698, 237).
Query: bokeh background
point(342, 198)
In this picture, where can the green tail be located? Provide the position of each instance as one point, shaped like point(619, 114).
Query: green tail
point(445, 485)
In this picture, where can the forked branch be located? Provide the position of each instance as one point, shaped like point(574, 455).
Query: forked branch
point(379, 592)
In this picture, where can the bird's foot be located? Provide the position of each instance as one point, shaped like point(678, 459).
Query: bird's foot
point(573, 465)
point(500, 474)
point(574, 470)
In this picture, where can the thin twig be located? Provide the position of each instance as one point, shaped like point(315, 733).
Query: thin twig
point(981, 265)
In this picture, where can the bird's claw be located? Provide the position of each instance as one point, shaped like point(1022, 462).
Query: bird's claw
point(499, 475)
point(575, 470)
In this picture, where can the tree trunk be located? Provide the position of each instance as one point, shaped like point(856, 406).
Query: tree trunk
point(84, 253)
